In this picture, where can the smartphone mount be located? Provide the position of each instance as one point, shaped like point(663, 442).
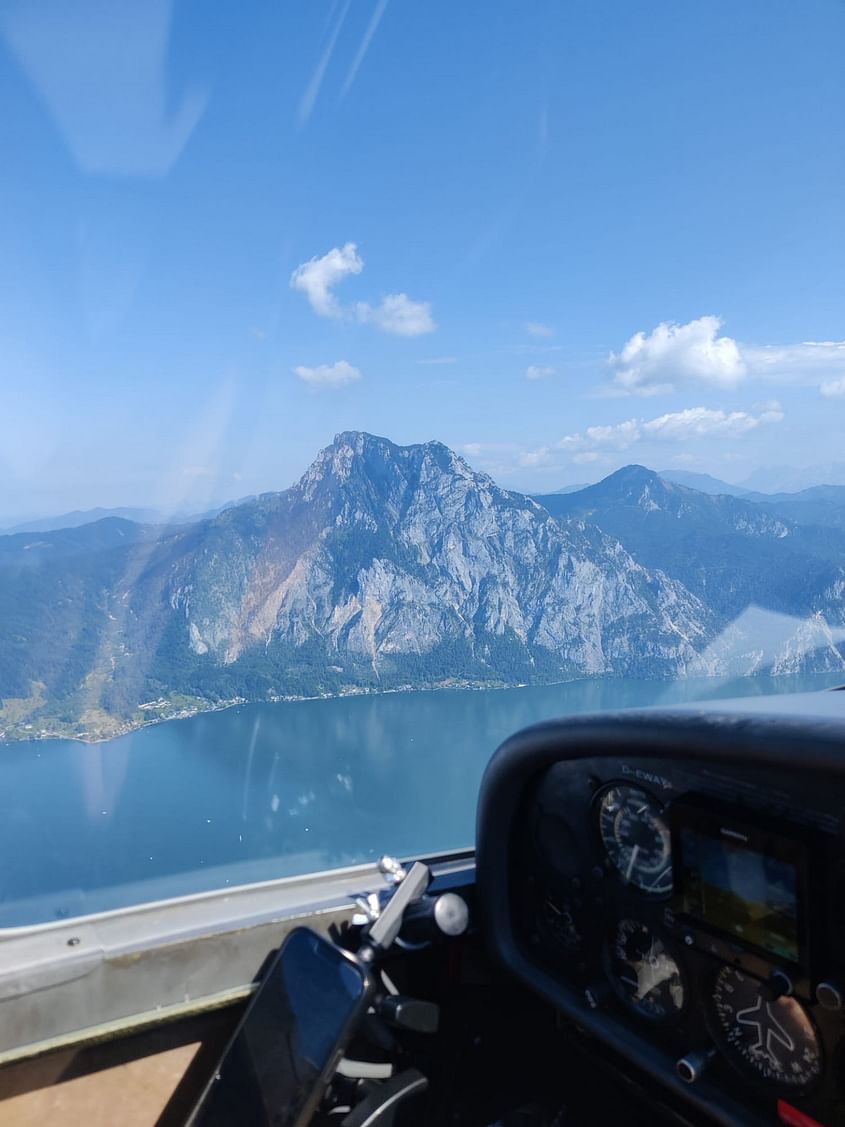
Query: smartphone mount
point(410, 919)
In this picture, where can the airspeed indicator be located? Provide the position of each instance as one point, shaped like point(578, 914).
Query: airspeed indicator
point(636, 838)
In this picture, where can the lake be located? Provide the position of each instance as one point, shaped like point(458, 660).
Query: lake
point(267, 790)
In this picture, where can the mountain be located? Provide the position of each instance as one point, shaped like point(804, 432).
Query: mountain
point(788, 479)
point(384, 566)
point(398, 566)
point(820, 505)
point(80, 517)
point(728, 551)
point(703, 482)
point(572, 488)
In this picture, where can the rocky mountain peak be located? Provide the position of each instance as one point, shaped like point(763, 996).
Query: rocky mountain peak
point(369, 464)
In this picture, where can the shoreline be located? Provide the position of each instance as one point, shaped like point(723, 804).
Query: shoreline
point(222, 706)
point(468, 686)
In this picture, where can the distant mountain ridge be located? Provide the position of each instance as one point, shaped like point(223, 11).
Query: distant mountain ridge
point(80, 517)
point(703, 482)
point(391, 566)
point(789, 479)
point(729, 551)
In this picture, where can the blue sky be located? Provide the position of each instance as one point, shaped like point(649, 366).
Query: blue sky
point(558, 236)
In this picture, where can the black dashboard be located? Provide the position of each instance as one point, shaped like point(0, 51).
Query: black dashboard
point(673, 882)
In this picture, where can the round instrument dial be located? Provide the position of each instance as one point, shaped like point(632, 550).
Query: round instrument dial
point(775, 1040)
point(636, 838)
point(643, 973)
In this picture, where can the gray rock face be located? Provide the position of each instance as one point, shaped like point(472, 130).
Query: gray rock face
point(389, 566)
point(383, 551)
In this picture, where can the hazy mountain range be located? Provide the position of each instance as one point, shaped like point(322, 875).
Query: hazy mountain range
point(389, 566)
point(80, 517)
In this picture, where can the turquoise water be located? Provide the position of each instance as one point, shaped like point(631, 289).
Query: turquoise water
point(269, 790)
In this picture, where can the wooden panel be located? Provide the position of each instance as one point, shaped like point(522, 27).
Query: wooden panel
point(133, 1094)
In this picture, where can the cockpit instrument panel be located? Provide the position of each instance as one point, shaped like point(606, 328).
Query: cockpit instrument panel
point(688, 907)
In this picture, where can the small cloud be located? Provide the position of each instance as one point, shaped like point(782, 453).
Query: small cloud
point(537, 329)
point(833, 389)
point(440, 360)
point(397, 313)
point(699, 422)
point(492, 457)
point(810, 358)
point(258, 334)
point(531, 459)
point(316, 278)
point(587, 457)
point(536, 372)
point(328, 375)
point(675, 426)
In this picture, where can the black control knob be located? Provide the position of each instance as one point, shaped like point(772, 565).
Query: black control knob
point(829, 996)
point(778, 985)
point(409, 1013)
point(693, 1066)
point(432, 917)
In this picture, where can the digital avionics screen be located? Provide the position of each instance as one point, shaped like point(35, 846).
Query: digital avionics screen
point(747, 894)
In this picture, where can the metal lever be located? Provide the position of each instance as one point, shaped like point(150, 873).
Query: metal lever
point(379, 1108)
point(386, 927)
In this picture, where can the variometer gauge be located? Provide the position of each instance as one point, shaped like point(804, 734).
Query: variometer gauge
point(643, 973)
point(636, 838)
point(774, 1040)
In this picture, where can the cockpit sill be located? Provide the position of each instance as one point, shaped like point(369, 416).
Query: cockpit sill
point(69, 982)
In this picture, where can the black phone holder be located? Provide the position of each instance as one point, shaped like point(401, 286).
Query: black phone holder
point(412, 919)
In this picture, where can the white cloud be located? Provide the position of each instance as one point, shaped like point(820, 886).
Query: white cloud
point(472, 449)
point(317, 277)
point(698, 422)
point(833, 389)
point(809, 359)
point(328, 375)
point(536, 372)
point(674, 353)
point(531, 459)
point(397, 313)
point(537, 329)
point(677, 426)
